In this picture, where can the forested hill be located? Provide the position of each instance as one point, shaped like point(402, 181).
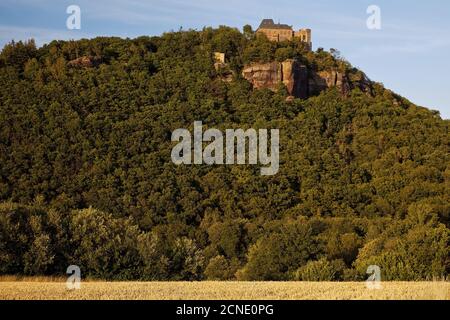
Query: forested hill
point(86, 176)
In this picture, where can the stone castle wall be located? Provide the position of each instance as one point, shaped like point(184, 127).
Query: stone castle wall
point(287, 35)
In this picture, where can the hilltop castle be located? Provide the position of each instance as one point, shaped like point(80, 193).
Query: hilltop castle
point(283, 32)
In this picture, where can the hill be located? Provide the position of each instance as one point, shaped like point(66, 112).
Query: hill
point(86, 176)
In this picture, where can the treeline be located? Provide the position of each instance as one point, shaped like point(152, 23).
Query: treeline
point(39, 241)
point(86, 176)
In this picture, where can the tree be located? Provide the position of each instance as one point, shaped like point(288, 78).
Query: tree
point(321, 270)
point(17, 53)
point(418, 253)
point(187, 261)
point(278, 255)
point(363, 171)
point(39, 257)
point(154, 259)
point(248, 32)
point(219, 268)
point(103, 247)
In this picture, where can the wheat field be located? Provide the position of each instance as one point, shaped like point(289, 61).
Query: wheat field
point(45, 289)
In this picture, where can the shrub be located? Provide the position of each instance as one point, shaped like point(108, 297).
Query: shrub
point(321, 270)
point(39, 257)
point(103, 246)
point(219, 269)
point(421, 253)
point(276, 256)
point(187, 261)
point(154, 259)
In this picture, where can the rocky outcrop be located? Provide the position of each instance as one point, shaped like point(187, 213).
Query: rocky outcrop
point(85, 62)
point(294, 75)
point(266, 75)
point(269, 75)
point(322, 80)
point(222, 68)
point(224, 72)
point(300, 81)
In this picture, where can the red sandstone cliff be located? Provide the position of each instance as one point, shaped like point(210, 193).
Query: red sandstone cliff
point(300, 81)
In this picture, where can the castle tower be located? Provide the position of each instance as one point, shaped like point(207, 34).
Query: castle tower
point(275, 31)
point(283, 32)
point(305, 36)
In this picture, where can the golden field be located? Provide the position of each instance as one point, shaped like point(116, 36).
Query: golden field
point(37, 289)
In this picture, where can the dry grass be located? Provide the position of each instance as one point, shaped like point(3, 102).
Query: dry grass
point(29, 288)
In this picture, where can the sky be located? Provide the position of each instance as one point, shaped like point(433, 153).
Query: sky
point(409, 54)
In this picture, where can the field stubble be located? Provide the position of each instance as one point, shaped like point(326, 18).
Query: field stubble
point(41, 289)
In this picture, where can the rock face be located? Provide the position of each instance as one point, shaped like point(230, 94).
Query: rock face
point(222, 68)
point(265, 75)
point(322, 80)
point(268, 75)
point(294, 76)
point(85, 62)
point(299, 80)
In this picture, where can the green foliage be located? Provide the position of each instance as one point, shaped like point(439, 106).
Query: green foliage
point(32, 240)
point(321, 270)
point(188, 261)
point(409, 252)
point(16, 54)
point(39, 257)
point(248, 32)
point(277, 256)
point(228, 238)
point(104, 246)
point(363, 179)
point(220, 268)
point(154, 258)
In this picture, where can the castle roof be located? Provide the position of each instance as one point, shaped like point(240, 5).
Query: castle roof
point(269, 24)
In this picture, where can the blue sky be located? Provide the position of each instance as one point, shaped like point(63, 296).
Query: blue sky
point(410, 54)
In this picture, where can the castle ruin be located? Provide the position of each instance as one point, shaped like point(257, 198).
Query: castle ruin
point(283, 32)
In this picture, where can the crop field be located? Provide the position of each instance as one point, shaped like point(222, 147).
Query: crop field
point(37, 289)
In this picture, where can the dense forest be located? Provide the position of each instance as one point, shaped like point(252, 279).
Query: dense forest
point(86, 176)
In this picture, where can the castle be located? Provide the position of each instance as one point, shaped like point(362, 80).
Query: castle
point(283, 32)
